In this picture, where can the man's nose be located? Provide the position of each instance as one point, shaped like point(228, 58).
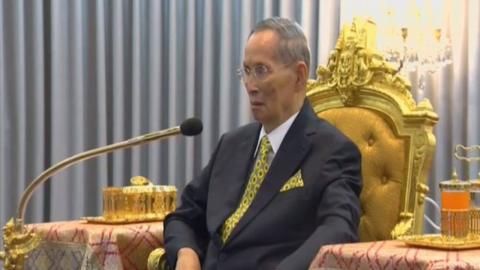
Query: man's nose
point(250, 84)
point(251, 87)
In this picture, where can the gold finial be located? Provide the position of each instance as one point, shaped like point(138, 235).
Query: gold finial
point(139, 181)
point(454, 175)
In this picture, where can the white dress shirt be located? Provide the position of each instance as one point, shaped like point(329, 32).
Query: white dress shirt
point(275, 137)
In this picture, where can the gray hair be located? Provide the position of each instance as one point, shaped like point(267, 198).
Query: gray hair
point(293, 43)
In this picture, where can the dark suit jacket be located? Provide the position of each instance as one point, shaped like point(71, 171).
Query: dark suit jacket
point(280, 230)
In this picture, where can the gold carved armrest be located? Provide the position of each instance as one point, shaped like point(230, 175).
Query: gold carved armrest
point(157, 260)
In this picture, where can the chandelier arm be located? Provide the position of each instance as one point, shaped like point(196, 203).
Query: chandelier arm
point(399, 67)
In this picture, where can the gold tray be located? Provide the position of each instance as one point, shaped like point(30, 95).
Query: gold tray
point(102, 220)
point(441, 242)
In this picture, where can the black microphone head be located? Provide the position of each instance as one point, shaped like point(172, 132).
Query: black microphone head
point(191, 127)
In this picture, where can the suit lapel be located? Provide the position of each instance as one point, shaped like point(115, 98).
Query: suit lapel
point(292, 151)
point(226, 193)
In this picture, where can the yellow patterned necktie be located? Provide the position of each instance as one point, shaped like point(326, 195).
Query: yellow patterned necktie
point(253, 185)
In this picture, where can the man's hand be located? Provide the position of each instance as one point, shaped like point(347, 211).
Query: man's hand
point(187, 259)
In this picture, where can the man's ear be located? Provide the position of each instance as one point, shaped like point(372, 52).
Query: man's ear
point(302, 74)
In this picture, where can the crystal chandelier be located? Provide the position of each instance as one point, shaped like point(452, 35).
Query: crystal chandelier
point(414, 44)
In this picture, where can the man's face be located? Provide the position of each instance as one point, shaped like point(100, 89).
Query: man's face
point(273, 95)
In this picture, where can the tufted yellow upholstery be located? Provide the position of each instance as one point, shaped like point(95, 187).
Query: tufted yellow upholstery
point(383, 167)
point(359, 93)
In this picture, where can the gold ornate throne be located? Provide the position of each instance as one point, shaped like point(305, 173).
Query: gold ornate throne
point(361, 94)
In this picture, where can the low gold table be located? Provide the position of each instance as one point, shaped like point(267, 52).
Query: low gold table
point(81, 245)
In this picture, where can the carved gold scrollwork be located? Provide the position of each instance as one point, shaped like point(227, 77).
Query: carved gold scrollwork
point(424, 105)
point(17, 243)
point(355, 63)
point(420, 146)
point(422, 191)
point(404, 227)
point(157, 260)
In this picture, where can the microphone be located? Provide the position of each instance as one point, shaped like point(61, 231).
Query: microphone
point(189, 127)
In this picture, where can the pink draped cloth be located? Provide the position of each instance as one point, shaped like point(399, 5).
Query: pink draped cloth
point(393, 255)
point(80, 245)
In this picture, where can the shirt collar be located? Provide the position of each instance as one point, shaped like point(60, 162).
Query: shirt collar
point(276, 136)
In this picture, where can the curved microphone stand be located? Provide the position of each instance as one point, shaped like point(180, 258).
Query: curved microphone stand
point(18, 242)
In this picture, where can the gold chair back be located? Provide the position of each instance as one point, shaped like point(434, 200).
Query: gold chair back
point(363, 96)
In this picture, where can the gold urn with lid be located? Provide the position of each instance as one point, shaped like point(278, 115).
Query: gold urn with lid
point(455, 207)
point(140, 202)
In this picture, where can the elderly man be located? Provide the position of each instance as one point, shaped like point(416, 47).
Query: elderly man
point(275, 190)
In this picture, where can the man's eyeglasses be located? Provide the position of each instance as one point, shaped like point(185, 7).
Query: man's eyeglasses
point(259, 72)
